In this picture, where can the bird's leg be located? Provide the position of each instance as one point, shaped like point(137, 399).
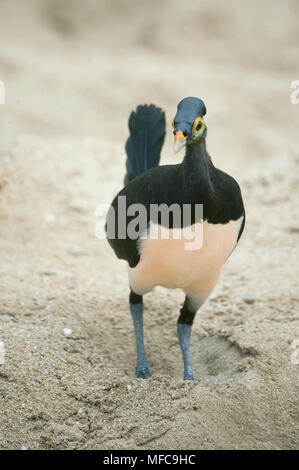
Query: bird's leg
point(184, 326)
point(136, 307)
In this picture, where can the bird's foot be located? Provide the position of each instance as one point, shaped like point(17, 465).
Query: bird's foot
point(142, 372)
point(188, 375)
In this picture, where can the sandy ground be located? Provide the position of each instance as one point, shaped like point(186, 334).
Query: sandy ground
point(73, 71)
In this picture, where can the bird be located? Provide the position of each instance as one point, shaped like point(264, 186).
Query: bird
point(157, 251)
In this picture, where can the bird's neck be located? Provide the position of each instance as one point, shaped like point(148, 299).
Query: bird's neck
point(197, 163)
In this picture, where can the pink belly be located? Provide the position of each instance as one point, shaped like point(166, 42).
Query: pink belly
point(168, 262)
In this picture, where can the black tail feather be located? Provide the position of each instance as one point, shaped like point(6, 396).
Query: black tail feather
point(147, 134)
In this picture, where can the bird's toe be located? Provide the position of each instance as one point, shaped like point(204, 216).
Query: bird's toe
point(188, 376)
point(142, 373)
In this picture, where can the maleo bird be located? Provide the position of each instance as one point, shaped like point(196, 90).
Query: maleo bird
point(158, 255)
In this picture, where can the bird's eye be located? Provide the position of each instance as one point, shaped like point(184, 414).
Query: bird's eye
point(198, 126)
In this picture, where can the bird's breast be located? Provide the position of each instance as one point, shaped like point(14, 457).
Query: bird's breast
point(190, 258)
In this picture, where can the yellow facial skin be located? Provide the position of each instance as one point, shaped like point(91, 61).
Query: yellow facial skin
point(198, 131)
point(198, 128)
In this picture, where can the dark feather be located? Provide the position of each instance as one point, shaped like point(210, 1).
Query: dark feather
point(147, 134)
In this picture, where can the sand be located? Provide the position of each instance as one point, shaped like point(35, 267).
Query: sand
point(73, 71)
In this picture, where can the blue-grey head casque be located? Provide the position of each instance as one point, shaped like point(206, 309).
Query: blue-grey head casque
point(188, 110)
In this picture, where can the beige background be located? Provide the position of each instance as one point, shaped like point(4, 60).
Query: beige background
point(73, 71)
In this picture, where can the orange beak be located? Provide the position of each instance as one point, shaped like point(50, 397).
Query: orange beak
point(179, 141)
